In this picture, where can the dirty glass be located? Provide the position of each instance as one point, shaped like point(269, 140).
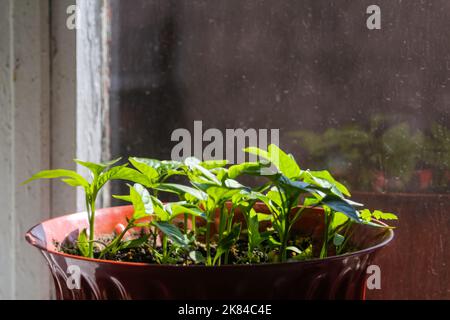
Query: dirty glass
point(371, 106)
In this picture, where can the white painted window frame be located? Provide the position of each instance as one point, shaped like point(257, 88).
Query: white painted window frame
point(92, 118)
point(53, 107)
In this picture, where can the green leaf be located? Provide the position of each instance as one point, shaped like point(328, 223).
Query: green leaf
point(164, 167)
point(338, 220)
point(250, 168)
point(75, 178)
point(303, 255)
point(111, 162)
point(353, 203)
point(155, 164)
point(294, 249)
point(257, 151)
point(194, 164)
point(72, 182)
point(123, 173)
point(197, 257)
point(338, 239)
point(97, 168)
point(140, 199)
point(299, 185)
point(212, 164)
point(365, 214)
point(311, 202)
point(325, 180)
point(254, 236)
point(171, 167)
point(340, 205)
point(233, 184)
point(284, 162)
point(220, 194)
point(181, 190)
point(377, 214)
point(173, 233)
point(134, 243)
point(227, 241)
point(83, 243)
point(264, 217)
point(274, 242)
point(124, 197)
point(276, 197)
point(150, 172)
point(161, 212)
point(177, 208)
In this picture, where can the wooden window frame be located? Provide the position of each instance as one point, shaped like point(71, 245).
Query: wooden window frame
point(53, 107)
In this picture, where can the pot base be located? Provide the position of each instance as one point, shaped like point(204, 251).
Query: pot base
point(337, 277)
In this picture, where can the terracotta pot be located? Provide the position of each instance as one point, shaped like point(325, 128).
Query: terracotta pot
point(425, 178)
point(338, 277)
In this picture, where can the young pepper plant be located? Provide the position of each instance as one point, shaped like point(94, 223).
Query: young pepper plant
point(162, 214)
point(101, 173)
point(161, 217)
point(210, 179)
point(213, 189)
point(210, 190)
point(287, 187)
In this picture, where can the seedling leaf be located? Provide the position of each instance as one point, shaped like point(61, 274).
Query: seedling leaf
point(173, 233)
point(83, 243)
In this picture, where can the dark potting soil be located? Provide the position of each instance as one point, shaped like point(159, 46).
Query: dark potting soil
point(148, 252)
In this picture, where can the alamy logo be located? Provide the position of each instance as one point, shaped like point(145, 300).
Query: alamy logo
point(213, 144)
point(73, 281)
point(72, 21)
point(374, 280)
point(374, 20)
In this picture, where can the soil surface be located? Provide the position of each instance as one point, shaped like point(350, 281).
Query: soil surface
point(152, 252)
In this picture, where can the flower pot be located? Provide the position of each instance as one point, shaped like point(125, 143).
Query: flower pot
point(335, 277)
point(425, 177)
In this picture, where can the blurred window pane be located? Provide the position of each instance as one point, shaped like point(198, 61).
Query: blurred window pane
point(371, 106)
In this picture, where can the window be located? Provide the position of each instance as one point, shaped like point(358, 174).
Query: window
point(372, 106)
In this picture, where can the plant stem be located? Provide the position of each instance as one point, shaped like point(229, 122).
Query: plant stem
point(347, 236)
point(229, 226)
point(194, 227)
point(222, 221)
point(164, 241)
point(328, 220)
point(284, 244)
point(116, 241)
point(296, 217)
point(285, 224)
point(208, 245)
point(91, 209)
point(222, 224)
point(155, 237)
point(185, 223)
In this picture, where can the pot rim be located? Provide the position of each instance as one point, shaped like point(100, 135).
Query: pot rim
point(31, 239)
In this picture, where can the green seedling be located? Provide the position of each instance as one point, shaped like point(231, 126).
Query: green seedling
point(212, 195)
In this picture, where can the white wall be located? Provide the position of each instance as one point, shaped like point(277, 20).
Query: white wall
point(63, 104)
point(6, 149)
point(37, 131)
point(24, 143)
